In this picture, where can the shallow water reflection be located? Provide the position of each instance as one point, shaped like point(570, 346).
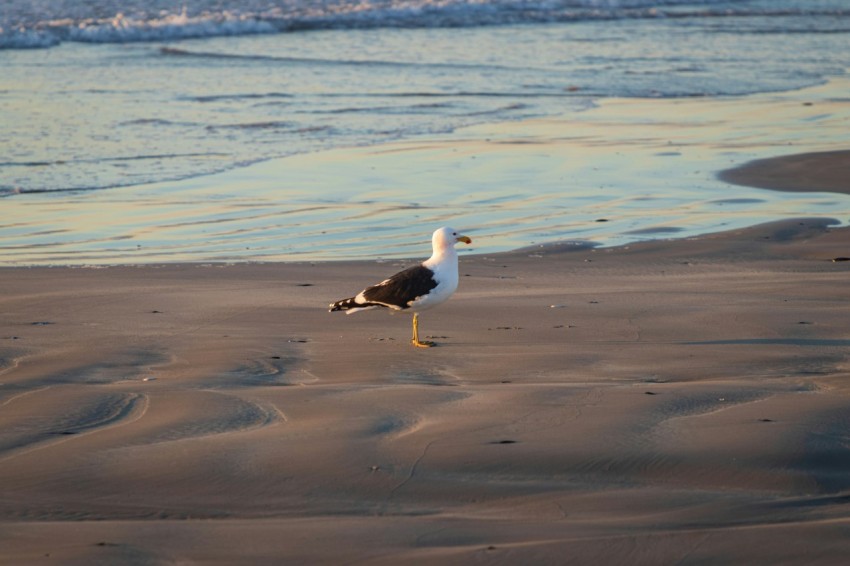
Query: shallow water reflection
point(606, 175)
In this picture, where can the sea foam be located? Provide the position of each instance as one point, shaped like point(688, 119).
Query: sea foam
point(120, 21)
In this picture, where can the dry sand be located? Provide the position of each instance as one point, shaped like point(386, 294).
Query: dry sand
point(671, 402)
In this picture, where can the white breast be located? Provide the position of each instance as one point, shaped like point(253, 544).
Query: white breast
point(444, 267)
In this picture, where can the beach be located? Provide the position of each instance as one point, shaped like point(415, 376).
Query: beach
point(676, 401)
point(646, 359)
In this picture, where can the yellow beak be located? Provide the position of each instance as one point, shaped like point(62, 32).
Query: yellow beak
point(464, 239)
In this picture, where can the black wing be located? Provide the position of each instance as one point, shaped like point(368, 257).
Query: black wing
point(403, 287)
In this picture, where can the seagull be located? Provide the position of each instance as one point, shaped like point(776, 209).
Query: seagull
point(416, 288)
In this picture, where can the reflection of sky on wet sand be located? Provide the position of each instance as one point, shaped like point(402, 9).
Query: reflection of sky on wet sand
point(627, 171)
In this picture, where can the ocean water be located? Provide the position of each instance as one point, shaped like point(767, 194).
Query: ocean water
point(132, 101)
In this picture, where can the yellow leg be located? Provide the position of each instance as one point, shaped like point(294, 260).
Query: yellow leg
point(415, 340)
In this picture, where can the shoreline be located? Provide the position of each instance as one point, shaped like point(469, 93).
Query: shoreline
point(787, 228)
point(626, 171)
point(787, 173)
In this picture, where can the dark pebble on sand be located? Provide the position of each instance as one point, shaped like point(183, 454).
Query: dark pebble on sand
point(504, 442)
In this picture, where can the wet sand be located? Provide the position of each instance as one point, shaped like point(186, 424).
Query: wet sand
point(827, 171)
point(676, 401)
